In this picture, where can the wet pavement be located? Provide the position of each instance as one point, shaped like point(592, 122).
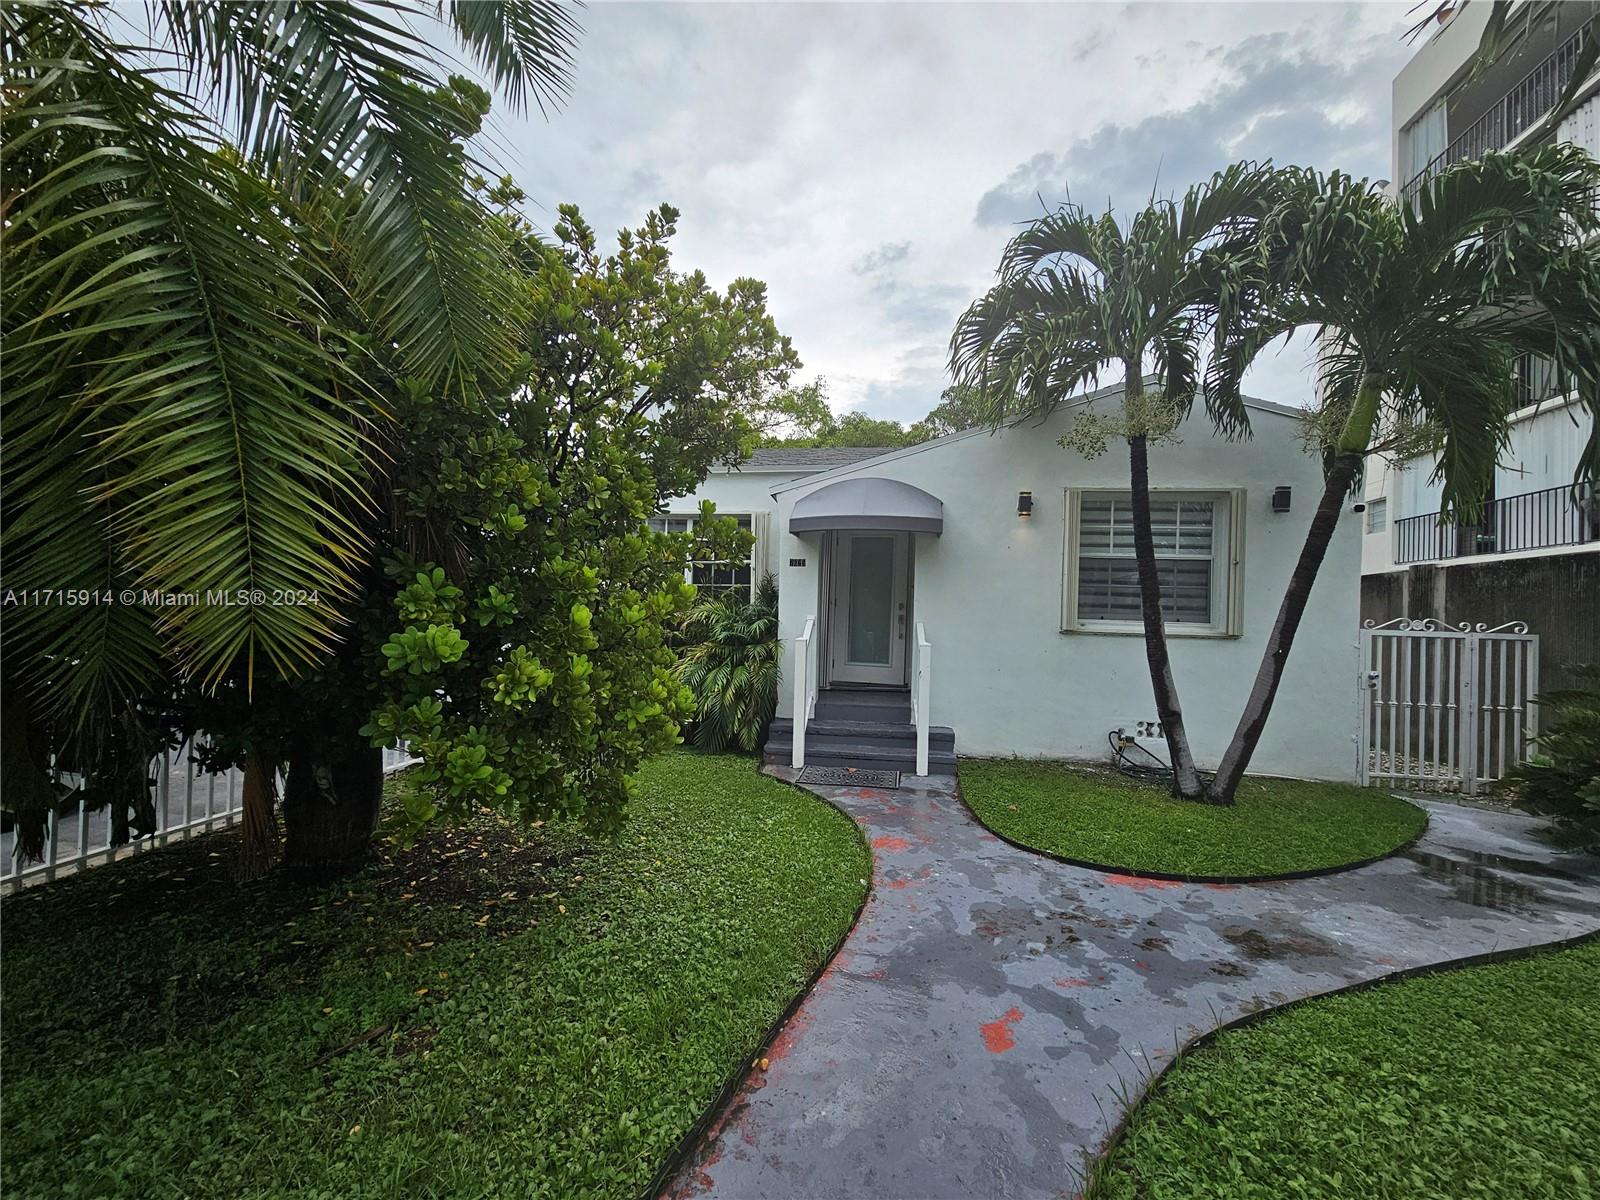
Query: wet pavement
point(994, 1012)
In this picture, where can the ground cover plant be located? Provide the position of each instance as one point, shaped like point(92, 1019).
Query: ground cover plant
point(1470, 1083)
point(1561, 779)
point(498, 1011)
point(1100, 816)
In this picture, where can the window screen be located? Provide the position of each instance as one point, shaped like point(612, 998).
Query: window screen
point(1186, 542)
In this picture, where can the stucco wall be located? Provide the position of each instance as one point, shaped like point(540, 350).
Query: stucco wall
point(989, 592)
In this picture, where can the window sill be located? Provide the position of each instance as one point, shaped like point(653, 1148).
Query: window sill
point(1173, 631)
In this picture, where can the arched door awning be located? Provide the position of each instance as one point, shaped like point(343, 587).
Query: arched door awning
point(869, 503)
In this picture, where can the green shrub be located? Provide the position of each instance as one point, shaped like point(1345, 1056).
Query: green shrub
point(731, 666)
point(1562, 780)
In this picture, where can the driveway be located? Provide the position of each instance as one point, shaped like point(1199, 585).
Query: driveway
point(994, 1012)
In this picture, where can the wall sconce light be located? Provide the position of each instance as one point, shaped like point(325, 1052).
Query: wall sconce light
point(1024, 504)
point(1280, 499)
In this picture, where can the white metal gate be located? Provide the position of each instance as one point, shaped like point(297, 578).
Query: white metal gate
point(1445, 707)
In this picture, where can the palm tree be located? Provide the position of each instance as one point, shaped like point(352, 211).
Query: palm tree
point(1079, 294)
point(733, 667)
point(204, 241)
point(1422, 310)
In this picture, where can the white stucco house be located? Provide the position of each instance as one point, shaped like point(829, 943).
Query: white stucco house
point(1012, 559)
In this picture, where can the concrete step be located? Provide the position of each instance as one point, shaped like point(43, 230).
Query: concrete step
point(853, 741)
point(866, 756)
point(940, 737)
point(885, 708)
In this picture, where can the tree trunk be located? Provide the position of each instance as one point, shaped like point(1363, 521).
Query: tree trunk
point(1353, 441)
point(330, 808)
point(1276, 656)
point(262, 843)
point(25, 780)
point(1185, 778)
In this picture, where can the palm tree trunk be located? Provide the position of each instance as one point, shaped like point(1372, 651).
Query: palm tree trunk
point(1185, 778)
point(260, 847)
point(1353, 441)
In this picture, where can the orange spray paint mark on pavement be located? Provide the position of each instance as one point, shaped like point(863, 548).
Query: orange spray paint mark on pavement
point(1140, 884)
point(997, 1037)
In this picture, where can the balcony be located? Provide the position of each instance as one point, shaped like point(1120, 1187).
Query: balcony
point(1523, 104)
point(1560, 516)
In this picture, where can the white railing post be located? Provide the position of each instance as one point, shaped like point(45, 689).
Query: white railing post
point(920, 714)
point(802, 691)
point(1469, 717)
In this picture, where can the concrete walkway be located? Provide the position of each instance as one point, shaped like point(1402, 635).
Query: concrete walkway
point(994, 1012)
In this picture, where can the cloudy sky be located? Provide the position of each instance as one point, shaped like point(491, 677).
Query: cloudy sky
point(869, 161)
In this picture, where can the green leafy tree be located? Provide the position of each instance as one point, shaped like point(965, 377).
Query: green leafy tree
point(848, 430)
point(513, 625)
point(731, 666)
point(960, 407)
point(1422, 310)
point(790, 415)
point(1080, 294)
point(207, 232)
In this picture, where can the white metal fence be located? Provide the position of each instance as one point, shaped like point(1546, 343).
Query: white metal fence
point(1444, 707)
point(188, 802)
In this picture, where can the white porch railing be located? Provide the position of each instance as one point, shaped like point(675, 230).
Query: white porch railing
point(921, 684)
point(187, 803)
point(805, 688)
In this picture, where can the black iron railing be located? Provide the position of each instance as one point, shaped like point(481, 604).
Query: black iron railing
point(1529, 99)
point(1560, 516)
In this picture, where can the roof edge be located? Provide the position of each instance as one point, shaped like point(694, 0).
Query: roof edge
point(1266, 406)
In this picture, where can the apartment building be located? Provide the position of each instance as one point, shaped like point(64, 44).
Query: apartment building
point(1535, 554)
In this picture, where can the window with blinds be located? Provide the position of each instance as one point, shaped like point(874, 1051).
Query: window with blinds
point(1192, 540)
point(712, 576)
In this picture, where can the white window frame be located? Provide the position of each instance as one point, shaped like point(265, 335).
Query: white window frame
point(1377, 507)
point(1227, 557)
point(692, 519)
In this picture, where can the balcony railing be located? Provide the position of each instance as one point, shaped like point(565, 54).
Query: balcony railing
point(1536, 380)
point(1560, 516)
point(1528, 100)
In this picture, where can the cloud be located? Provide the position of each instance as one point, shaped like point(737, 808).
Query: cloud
point(1293, 97)
point(885, 256)
point(839, 151)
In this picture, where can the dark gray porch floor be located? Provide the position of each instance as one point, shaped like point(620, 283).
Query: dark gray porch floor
point(994, 1011)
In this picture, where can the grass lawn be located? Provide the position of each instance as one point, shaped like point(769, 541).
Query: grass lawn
point(491, 1013)
point(1101, 816)
point(1479, 1082)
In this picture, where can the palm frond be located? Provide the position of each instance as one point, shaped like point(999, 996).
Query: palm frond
point(351, 92)
point(156, 291)
point(734, 671)
point(526, 47)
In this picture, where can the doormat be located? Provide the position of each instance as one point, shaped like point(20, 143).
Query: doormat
point(850, 777)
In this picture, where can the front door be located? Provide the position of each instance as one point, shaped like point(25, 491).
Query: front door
point(867, 629)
